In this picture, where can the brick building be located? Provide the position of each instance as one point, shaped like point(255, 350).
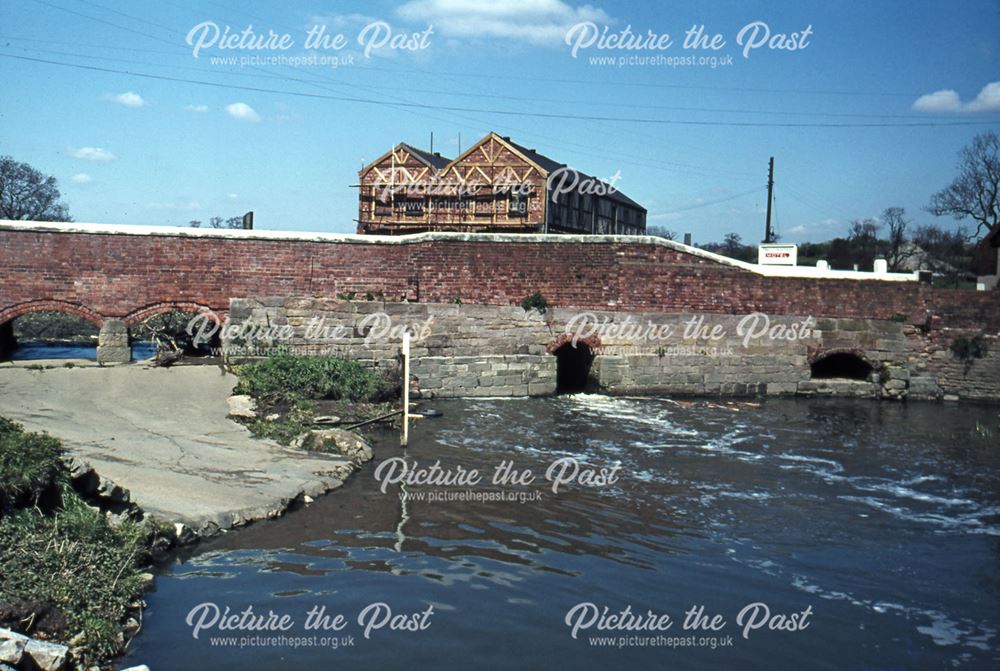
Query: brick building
point(987, 259)
point(495, 186)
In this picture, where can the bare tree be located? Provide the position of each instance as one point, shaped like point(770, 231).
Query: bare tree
point(897, 250)
point(27, 194)
point(975, 193)
point(219, 222)
point(732, 243)
point(195, 223)
point(661, 232)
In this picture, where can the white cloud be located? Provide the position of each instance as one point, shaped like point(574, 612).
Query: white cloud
point(939, 101)
point(243, 112)
point(542, 22)
point(948, 100)
point(128, 99)
point(232, 196)
point(988, 99)
point(92, 154)
point(196, 108)
point(82, 178)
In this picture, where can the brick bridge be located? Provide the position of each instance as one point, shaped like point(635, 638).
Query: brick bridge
point(116, 276)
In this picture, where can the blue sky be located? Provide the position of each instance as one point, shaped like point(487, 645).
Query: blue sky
point(149, 150)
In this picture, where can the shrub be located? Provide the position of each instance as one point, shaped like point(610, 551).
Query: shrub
point(66, 558)
point(30, 463)
point(285, 428)
point(535, 302)
point(967, 349)
point(288, 378)
point(76, 562)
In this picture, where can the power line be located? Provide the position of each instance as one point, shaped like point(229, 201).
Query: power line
point(715, 202)
point(539, 115)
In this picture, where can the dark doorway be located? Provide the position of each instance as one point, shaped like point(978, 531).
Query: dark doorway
point(844, 365)
point(573, 368)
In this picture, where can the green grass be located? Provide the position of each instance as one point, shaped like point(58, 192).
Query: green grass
point(30, 463)
point(285, 378)
point(68, 557)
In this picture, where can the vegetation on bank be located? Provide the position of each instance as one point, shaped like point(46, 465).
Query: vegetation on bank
point(292, 391)
point(286, 378)
point(66, 573)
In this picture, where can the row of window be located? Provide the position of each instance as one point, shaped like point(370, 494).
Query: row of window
point(516, 205)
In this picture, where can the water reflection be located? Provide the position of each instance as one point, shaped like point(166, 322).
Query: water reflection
point(885, 518)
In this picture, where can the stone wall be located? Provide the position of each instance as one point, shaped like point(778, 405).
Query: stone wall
point(116, 276)
point(463, 350)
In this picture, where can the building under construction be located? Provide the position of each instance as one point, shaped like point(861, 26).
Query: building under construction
point(495, 186)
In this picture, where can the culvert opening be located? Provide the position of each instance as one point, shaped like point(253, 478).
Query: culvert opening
point(573, 368)
point(843, 365)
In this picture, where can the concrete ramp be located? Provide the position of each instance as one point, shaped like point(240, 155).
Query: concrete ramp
point(163, 434)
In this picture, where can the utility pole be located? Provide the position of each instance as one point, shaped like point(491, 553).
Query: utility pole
point(768, 232)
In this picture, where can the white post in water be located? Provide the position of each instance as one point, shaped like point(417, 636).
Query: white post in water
point(406, 389)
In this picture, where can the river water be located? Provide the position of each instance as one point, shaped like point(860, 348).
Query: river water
point(879, 521)
point(42, 349)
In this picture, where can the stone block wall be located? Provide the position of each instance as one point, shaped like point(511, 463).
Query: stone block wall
point(475, 350)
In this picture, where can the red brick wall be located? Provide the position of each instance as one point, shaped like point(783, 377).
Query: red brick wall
point(117, 275)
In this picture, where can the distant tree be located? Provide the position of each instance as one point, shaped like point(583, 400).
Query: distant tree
point(840, 254)
point(27, 194)
point(949, 251)
point(219, 222)
point(975, 193)
point(732, 244)
point(863, 238)
point(733, 247)
point(195, 223)
point(897, 251)
point(661, 232)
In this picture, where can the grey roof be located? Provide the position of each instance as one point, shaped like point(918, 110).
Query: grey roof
point(437, 161)
point(550, 166)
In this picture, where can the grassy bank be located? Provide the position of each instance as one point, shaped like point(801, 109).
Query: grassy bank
point(291, 391)
point(66, 574)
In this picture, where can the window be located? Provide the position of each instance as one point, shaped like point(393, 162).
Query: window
point(517, 205)
point(484, 205)
point(413, 207)
point(383, 206)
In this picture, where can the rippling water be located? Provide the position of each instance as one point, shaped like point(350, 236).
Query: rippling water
point(883, 518)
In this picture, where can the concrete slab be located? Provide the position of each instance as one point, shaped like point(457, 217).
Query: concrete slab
point(163, 434)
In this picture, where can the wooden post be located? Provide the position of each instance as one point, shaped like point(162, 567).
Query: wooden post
point(404, 438)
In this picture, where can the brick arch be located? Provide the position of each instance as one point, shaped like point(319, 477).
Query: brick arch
point(49, 305)
point(593, 342)
point(140, 314)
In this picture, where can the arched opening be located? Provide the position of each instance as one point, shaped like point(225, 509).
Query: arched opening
point(191, 333)
point(48, 334)
point(842, 365)
point(573, 368)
